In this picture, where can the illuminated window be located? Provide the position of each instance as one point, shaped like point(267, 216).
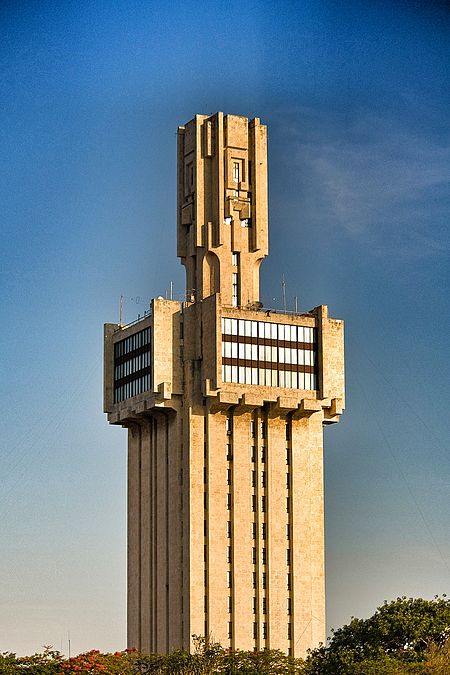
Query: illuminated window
point(266, 353)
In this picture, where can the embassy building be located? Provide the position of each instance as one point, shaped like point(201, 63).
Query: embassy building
point(225, 404)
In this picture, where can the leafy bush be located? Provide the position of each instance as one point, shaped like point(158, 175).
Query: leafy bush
point(403, 637)
point(398, 634)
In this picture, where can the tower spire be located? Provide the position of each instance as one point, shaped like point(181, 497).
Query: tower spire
point(222, 206)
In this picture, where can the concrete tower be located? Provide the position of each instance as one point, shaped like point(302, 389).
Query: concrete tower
point(225, 404)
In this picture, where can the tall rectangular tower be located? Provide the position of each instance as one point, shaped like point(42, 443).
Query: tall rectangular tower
point(225, 404)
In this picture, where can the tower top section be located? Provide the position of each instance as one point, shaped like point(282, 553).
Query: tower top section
point(222, 228)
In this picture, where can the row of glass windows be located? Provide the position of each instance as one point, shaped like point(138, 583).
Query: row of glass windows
point(268, 331)
point(131, 366)
point(269, 378)
point(133, 388)
point(237, 350)
point(132, 342)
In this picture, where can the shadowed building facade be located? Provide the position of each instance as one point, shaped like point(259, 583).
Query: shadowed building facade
point(225, 404)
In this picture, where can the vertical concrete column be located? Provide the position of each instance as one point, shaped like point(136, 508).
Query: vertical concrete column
point(242, 533)
point(317, 530)
point(185, 528)
point(175, 538)
point(276, 532)
point(259, 190)
point(259, 518)
point(308, 618)
point(217, 176)
point(217, 528)
point(145, 536)
point(153, 527)
point(134, 533)
point(161, 563)
point(196, 518)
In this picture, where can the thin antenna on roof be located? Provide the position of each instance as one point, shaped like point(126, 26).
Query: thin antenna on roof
point(295, 304)
point(283, 290)
point(171, 290)
point(121, 311)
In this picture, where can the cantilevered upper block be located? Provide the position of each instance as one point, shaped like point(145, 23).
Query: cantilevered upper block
point(222, 206)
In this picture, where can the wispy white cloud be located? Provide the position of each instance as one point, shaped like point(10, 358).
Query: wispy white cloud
point(375, 178)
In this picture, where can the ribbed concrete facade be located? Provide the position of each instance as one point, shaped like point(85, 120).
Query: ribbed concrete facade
point(225, 404)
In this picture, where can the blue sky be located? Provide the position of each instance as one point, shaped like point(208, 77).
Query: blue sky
point(356, 99)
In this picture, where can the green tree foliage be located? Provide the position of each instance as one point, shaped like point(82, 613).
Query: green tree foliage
point(210, 658)
point(398, 634)
point(403, 637)
point(437, 661)
point(47, 663)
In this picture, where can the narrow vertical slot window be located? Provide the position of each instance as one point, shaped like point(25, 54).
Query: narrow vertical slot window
point(236, 172)
point(229, 426)
point(235, 289)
